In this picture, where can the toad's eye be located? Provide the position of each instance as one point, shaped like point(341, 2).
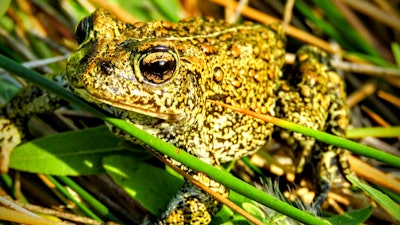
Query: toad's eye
point(83, 29)
point(158, 65)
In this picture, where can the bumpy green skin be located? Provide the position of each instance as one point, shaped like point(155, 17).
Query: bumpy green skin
point(159, 75)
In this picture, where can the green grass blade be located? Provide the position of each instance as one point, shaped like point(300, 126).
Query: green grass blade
point(379, 132)
point(343, 143)
point(396, 53)
point(94, 203)
point(322, 24)
point(387, 203)
point(170, 9)
point(393, 195)
point(4, 4)
point(324, 137)
point(64, 191)
point(353, 217)
point(347, 31)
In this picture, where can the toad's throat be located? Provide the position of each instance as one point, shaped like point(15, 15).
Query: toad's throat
point(169, 116)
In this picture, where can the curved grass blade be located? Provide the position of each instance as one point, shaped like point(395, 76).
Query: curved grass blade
point(386, 202)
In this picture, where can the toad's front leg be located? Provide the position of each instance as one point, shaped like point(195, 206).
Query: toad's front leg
point(191, 205)
point(14, 117)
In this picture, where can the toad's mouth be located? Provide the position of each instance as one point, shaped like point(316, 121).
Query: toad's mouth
point(107, 104)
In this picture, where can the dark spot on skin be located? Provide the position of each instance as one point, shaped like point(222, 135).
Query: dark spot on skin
point(106, 67)
point(217, 97)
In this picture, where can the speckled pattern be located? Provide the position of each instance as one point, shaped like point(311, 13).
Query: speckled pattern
point(313, 95)
point(158, 75)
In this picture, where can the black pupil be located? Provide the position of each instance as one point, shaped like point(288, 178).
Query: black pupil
point(160, 67)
